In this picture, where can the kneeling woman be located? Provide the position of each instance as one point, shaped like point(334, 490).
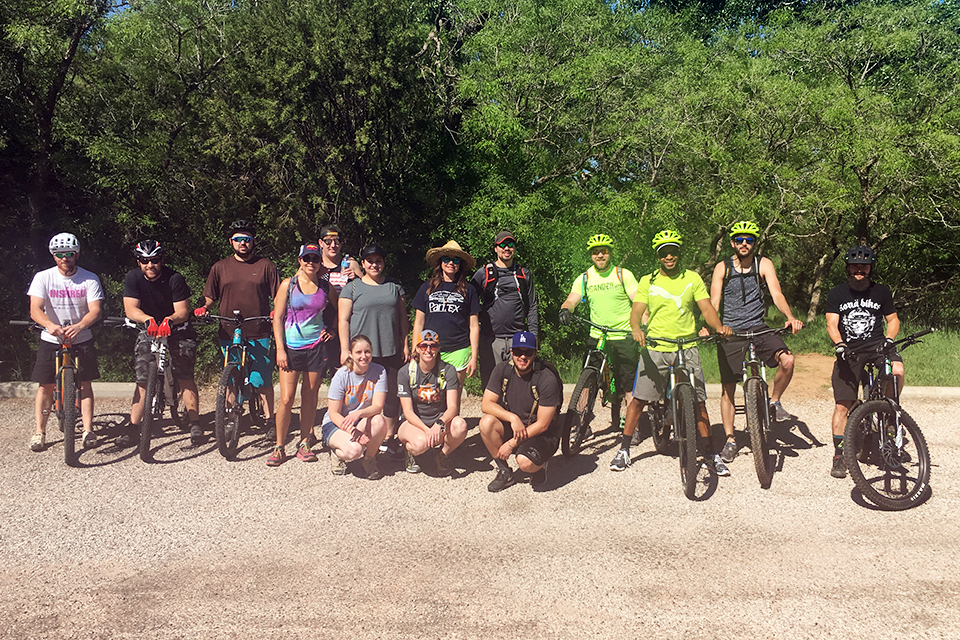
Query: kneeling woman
point(353, 425)
point(429, 390)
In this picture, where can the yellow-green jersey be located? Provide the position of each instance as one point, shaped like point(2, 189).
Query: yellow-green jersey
point(609, 298)
point(672, 305)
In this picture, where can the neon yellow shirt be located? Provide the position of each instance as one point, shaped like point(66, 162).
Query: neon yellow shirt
point(609, 303)
point(671, 303)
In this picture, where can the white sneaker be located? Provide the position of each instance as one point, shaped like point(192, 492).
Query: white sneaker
point(620, 461)
point(720, 467)
point(38, 442)
point(89, 440)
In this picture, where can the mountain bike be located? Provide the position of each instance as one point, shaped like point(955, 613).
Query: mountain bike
point(162, 388)
point(596, 375)
point(756, 400)
point(674, 419)
point(235, 388)
point(66, 395)
point(883, 448)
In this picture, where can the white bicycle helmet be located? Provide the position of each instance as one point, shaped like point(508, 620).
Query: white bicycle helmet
point(64, 242)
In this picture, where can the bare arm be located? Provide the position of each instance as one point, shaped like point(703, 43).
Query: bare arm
point(38, 315)
point(474, 344)
point(279, 338)
point(637, 315)
point(716, 284)
point(711, 318)
point(404, 326)
point(769, 273)
point(571, 302)
point(833, 328)
point(344, 309)
point(893, 325)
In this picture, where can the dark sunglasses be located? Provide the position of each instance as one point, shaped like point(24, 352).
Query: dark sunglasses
point(247, 239)
point(508, 244)
point(741, 239)
point(599, 250)
point(427, 346)
point(149, 260)
point(668, 251)
point(66, 254)
point(524, 353)
point(450, 259)
point(310, 257)
point(330, 241)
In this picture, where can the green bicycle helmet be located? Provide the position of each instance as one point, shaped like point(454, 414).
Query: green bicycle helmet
point(745, 227)
point(667, 236)
point(599, 240)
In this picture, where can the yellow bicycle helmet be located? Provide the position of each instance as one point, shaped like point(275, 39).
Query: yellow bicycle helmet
point(667, 236)
point(599, 240)
point(745, 227)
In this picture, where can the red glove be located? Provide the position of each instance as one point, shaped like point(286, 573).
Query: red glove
point(200, 312)
point(152, 328)
point(163, 331)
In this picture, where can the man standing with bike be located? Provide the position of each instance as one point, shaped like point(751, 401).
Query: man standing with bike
point(856, 311)
point(158, 297)
point(66, 301)
point(737, 293)
point(610, 291)
point(248, 283)
point(508, 303)
point(670, 296)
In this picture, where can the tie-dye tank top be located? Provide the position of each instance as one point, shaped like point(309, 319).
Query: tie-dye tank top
point(304, 320)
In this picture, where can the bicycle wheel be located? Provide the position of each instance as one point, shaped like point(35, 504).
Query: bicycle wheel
point(687, 427)
point(149, 411)
point(579, 412)
point(758, 416)
point(67, 414)
point(890, 476)
point(178, 409)
point(229, 410)
point(659, 428)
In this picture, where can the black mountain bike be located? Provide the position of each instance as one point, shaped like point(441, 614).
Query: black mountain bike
point(883, 448)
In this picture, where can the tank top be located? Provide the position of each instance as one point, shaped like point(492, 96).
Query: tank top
point(742, 302)
point(304, 321)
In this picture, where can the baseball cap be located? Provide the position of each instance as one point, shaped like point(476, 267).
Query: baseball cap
point(524, 340)
point(308, 248)
point(429, 335)
point(503, 235)
point(373, 249)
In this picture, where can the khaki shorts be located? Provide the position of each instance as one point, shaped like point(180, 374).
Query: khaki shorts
point(653, 371)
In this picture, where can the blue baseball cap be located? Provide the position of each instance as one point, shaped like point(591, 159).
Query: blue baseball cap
point(524, 340)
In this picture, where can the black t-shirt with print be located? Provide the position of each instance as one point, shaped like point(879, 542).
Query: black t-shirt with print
point(861, 312)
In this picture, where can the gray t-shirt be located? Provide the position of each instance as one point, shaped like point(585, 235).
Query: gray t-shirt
point(429, 397)
point(355, 390)
point(375, 314)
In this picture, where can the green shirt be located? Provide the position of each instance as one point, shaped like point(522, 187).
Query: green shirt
point(671, 303)
point(609, 303)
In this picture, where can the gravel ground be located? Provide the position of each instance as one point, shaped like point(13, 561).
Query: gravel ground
point(194, 546)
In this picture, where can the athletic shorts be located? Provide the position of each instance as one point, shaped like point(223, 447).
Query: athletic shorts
point(260, 360)
point(306, 360)
point(391, 409)
point(623, 363)
point(653, 372)
point(331, 356)
point(730, 354)
point(459, 358)
point(183, 356)
point(846, 377)
point(84, 357)
point(537, 449)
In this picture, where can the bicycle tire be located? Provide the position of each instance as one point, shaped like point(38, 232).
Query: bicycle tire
point(687, 425)
point(659, 429)
point(227, 420)
point(758, 416)
point(892, 478)
point(178, 408)
point(579, 411)
point(68, 414)
point(149, 411)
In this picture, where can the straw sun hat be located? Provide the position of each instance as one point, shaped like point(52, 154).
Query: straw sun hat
point(452, 248)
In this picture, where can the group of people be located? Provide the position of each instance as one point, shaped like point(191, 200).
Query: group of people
point(344, 318)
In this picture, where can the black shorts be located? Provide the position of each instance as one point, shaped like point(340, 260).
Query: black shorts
point(84, 357)
point(624, 357)
point(392, 364)
point(846, 377)
point(730, 354)
point(537, 449)
point(183, 357)
point(306, 360)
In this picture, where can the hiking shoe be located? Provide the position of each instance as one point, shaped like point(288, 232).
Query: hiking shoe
point(780, 414)
point(539, 477)
point(620, 461)
point(370, 468)
point(277, 458)
point(729, 451)
point(196, 434)
point(337, 466)
point(719, 467)
point(411, 462)
point(38, 442)
point(304, 453)
point(90, 440)
point(271, 427)
point(129, 438)
point(839, 469)
point(443, 464)
point(503, 480)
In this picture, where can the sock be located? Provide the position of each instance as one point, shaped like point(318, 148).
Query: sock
point(838, 445)
point(625, 441)
point(501, 464)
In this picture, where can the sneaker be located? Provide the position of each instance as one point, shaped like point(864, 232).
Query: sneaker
point(411, 462)
point(337, 466)
point(370, 467)
point(539, 477)
point(271, 427)
point(839, 469)
point(393, 448)
point(129, 438)
point(719, 467)
point(729, 451)
point(196, 434)
point(503, 480)
point(38, 442)
point(277, 458)
point(781, 414)
point(90, 440)
point(620, 461)
point(443, 464)
point(304, 453)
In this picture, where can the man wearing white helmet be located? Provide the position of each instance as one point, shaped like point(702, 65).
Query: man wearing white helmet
point(65, 300)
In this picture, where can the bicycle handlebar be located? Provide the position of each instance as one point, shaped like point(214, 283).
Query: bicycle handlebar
point(754, 334)
point(680, 342)
point(600, 327)
point(237, 319)
point(912, 339)
point(126, 323)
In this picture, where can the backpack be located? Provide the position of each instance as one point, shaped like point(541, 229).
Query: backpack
point(729, 272)
point(586, 274)
point(492, 275)
point(441, 377)
point(538, 367)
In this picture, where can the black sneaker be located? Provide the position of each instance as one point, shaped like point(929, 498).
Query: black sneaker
point(539, 477)
point(729, 451)
point(197, 437)
point(271, 426)
point(129, 438)
point(839, 469)
point(503, 480)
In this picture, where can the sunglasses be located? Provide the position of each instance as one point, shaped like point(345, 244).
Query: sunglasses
point(450, 260)
point(427, 346)
point(239, 239)
point(310, 257)
point(149, 260)
point(508, 244)
point(744, 239)
point(66, 254)
point(330, 241)
point(599, 251)
point(524, 353)
point(668, 251)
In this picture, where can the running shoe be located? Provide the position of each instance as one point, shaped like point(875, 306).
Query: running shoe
point(38, 442)
point(620, 461)
point(196, 434)
point(718, 466)
point(304, 452)
point(129, 437)
point(839, 469)
point(729, 451)
point(370, 468)
point(539, 477)
point(411, 463)
point(90, 440)
point(443, 464)
point(503, 480)
point(277, 458)
point(337, 466)
point(781, 414)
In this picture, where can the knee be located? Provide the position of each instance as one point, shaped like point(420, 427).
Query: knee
point(897, 368)
point(458, 427)
point(786, 362)
point(351, 451)
point(526, 464)
point(378, 424)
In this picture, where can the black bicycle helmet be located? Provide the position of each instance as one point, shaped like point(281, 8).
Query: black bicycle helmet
point(148, 249)
point(241, 226)
point(861, 255)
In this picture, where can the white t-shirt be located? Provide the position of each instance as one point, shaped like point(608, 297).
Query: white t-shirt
point(355, 390)
point(66, 299)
